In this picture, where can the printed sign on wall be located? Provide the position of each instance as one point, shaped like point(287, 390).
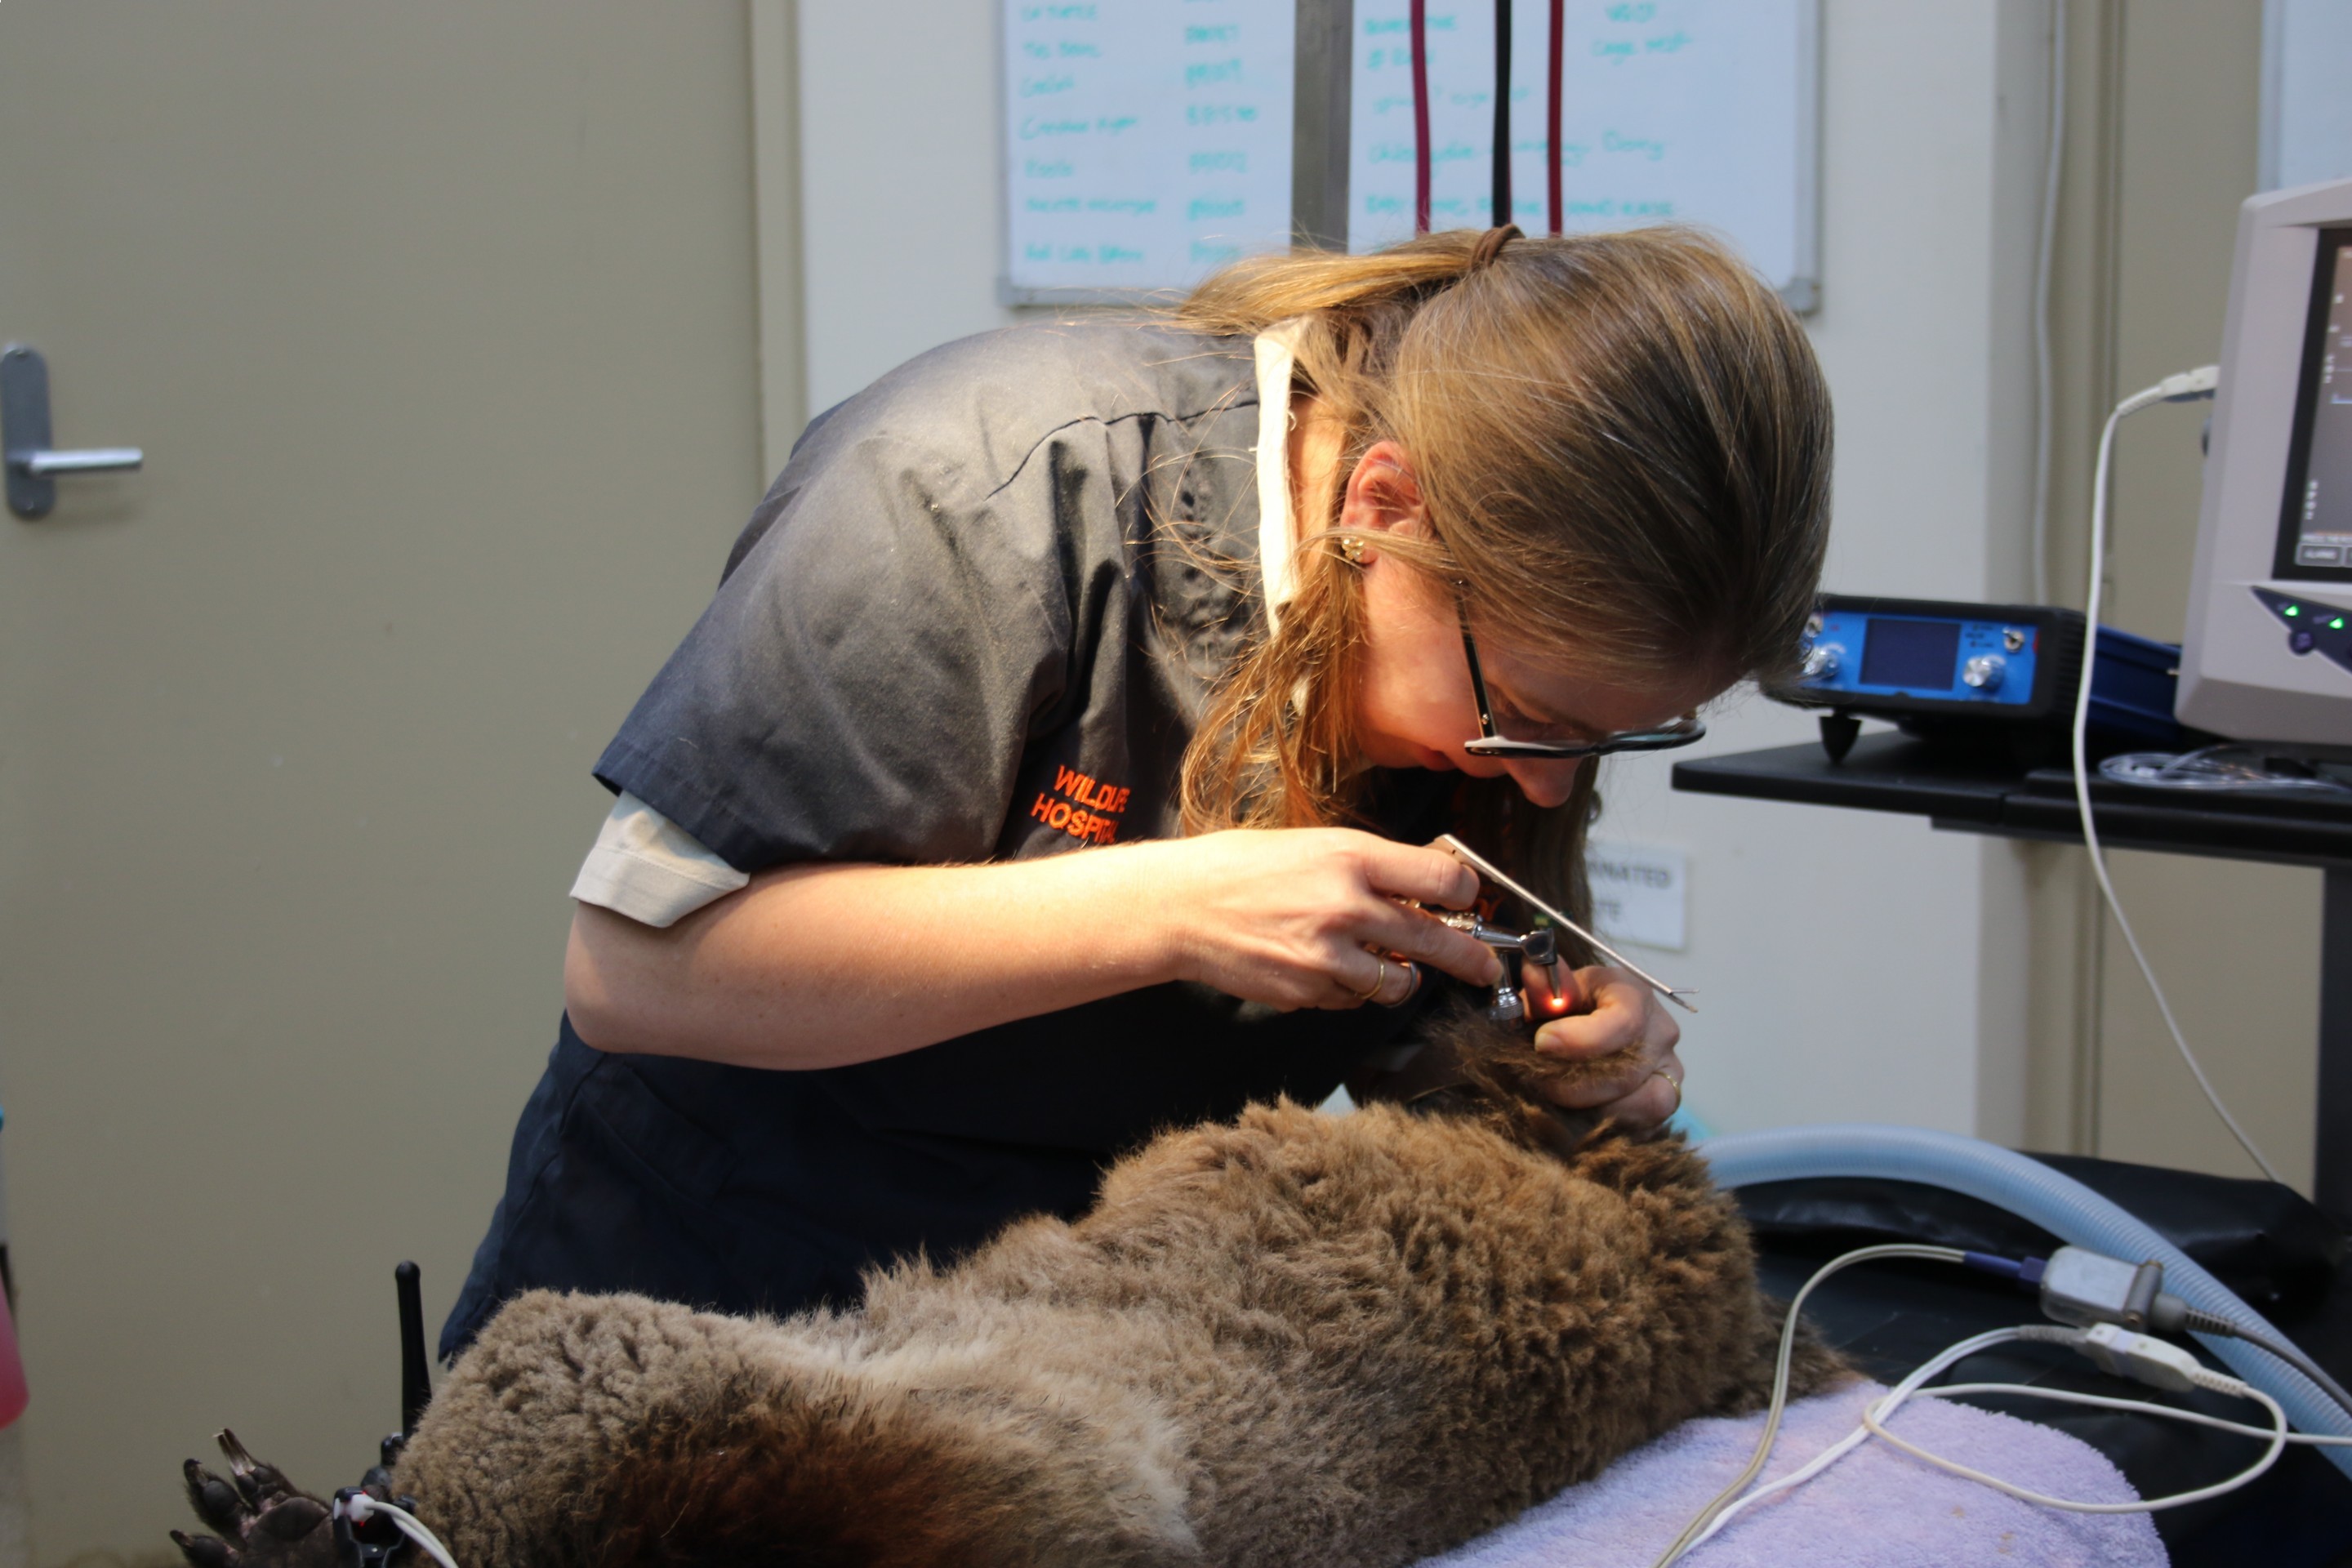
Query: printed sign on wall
point(1639, 894)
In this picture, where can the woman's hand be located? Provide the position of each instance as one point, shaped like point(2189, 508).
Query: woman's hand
point(1612, 1020)
point(795, 970)
point(1309, 917)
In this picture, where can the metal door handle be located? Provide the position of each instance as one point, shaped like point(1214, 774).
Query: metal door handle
point(89, 460)
point(32, 463)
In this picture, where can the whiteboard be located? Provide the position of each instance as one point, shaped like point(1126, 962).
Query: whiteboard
point(1148, 141)
point(1695, 111)
point(2307, 115)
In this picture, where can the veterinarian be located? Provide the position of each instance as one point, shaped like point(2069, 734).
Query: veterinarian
point(1058, 757)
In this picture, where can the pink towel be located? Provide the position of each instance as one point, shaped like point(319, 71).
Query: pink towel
point(1875, 1508)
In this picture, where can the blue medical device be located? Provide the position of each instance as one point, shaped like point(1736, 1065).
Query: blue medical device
point(1970, 674)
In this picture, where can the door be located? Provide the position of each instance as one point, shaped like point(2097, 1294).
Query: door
point(437, 325)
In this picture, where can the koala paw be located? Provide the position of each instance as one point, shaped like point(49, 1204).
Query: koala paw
point(258, 1518)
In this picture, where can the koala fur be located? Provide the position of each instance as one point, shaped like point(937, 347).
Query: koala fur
point(1291, 1339)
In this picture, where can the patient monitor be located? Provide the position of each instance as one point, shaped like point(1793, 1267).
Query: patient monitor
point(2268, 650)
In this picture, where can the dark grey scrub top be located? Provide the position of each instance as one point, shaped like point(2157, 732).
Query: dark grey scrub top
point(976, 619)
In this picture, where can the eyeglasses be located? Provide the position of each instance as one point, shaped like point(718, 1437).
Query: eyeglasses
point(1680, 732)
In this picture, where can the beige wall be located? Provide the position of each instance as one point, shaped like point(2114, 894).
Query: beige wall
point(1857, 965)
point(437, 322)
point(2162, 148)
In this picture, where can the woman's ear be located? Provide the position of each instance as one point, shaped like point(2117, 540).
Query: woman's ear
point(1384, 493)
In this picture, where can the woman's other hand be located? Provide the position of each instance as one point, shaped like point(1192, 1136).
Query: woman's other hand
point(1601, 1016)
point(1310, 917)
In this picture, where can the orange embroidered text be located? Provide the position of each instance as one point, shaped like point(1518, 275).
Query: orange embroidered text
point(1088, 814)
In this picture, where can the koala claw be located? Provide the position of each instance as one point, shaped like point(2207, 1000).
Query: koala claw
point(203, 1550)
point(259, 1519)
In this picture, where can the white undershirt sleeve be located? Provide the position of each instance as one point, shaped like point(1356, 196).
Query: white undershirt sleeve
point(647, 867)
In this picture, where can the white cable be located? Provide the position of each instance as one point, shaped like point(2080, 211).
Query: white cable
point(361, 1507)
point(1881, 1410)
point(1691, 1533)
point(2183, 387)
point(2143, 1406)
point(2045, 393)
point(1854, 1439)
point(2168, 1360)
point(1873, 1415)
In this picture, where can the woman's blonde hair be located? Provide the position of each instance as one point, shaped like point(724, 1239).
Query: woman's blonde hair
point(1623, 442)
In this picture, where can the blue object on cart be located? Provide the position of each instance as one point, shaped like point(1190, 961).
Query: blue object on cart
point(2132, 686)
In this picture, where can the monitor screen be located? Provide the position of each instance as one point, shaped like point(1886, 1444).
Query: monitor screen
point(1911, 655)
point(2315, 515)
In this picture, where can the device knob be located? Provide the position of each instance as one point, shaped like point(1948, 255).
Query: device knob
point(1984, 671)
point(1822, 661)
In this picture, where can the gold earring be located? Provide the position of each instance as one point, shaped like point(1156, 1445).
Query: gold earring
point(1351, 549)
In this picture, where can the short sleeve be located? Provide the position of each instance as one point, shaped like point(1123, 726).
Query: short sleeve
point(864, 682)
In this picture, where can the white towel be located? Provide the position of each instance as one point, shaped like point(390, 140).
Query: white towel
point(1876, 1507)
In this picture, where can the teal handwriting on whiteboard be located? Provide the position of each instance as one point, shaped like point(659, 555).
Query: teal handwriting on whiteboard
point(1148, 141)
point(1166, 153)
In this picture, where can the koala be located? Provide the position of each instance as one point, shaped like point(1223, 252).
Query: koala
point(1293, 1338)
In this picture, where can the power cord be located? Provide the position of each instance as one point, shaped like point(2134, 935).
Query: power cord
point(2146, 1360)
point(1853, 1440)
point(1875, 1415)
point(2207, 1323)
point(2141, 1406)
point(2080, 1287)
point(2186, 387)
point(2084, 1289)
point(1722, 1502)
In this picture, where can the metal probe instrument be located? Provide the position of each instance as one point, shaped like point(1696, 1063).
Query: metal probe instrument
point(1537, 947)
point(1493, 874)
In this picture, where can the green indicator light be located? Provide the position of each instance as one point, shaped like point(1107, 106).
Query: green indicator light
point(2294, 609)
point(2336, 624)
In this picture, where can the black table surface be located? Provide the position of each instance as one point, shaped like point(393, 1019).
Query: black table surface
point(1990, 793)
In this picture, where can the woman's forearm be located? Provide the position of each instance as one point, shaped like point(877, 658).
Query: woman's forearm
point(815, 966)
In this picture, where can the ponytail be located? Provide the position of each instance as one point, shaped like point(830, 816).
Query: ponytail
point(1254, 293)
